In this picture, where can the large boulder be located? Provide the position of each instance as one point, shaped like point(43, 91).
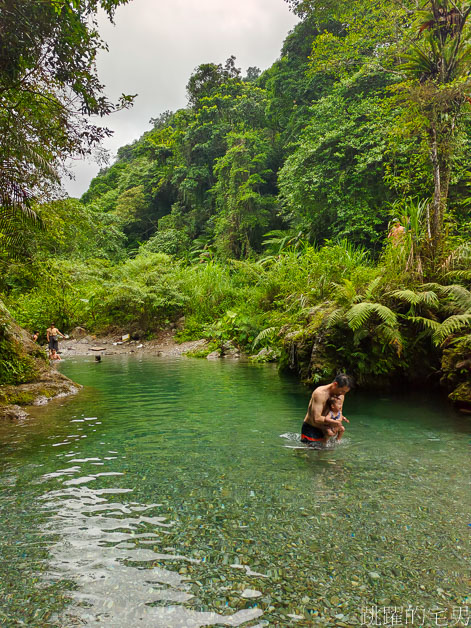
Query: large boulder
point(78, 333)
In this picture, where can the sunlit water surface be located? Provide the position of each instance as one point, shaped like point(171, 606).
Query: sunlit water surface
point(177, 494)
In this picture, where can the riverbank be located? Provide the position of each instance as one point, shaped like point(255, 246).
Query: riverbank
point(26, 375)
point(163, 345)
point(51, 384)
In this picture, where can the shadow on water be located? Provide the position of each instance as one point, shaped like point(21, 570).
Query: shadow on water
point(162, 495)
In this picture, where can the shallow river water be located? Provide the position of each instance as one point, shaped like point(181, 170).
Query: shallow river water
point(176, 493)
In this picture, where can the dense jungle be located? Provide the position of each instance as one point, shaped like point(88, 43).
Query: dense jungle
point(316, 214)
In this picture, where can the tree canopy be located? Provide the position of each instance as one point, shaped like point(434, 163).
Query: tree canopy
point(48, 89)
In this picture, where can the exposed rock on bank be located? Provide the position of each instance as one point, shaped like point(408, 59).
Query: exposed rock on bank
point(163, 345)
point(456, 374)
point(26, 378)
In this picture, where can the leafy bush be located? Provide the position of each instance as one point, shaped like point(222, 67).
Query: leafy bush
point(169, 241)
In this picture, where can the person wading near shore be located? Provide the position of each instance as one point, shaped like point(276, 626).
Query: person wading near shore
point(318, 417)
point(52, 335)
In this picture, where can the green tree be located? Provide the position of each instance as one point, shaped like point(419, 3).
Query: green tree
point(208, 77)
point(427, 49)
point(244, 211)
point(48, 89)
point(333, 182)
point(439, 72)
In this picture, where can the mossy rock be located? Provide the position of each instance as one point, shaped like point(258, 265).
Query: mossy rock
point(306, 353)
point(456, 365)
point(26, 378)
point(461, 396)
point(21, 359)
point(456, 374)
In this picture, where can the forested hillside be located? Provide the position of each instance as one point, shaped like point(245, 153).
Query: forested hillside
point(316, 213)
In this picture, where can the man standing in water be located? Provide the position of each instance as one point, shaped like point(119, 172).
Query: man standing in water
point(317, 418)
point(52, 335)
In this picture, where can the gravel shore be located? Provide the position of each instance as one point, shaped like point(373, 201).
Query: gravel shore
point(164, 345)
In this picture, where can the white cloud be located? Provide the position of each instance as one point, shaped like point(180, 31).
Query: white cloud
point(155, 46)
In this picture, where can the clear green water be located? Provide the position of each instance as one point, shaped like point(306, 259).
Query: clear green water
point(165, 490)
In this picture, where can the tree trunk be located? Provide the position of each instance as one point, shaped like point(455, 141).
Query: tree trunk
point(441, 179)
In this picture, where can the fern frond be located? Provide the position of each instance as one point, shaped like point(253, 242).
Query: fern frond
point(265, 333)
point(359, 314)
point(464, 275)
point(450, 326)
point(435, 287)
point(416, 298)
point(428, 323)
point(409, 296)
point(335, 317)
point(371, 288)
point(459, 294)
point(344, 292)
point(392, 336)
point(429, 298)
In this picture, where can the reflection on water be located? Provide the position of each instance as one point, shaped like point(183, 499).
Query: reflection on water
point(163, 496)
point(104, 548)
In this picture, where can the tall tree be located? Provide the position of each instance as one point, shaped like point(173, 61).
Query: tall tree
point(427, 48)
point(438, 66)
point(48, 89)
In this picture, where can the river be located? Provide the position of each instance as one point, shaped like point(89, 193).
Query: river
point(175, 493)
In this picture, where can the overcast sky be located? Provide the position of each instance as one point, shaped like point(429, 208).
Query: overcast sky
point(156, 44)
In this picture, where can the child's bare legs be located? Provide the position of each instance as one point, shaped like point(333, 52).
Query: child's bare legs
point(340, 431)
point(329, 432)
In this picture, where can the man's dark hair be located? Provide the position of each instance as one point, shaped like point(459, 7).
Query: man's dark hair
point(343, 381)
